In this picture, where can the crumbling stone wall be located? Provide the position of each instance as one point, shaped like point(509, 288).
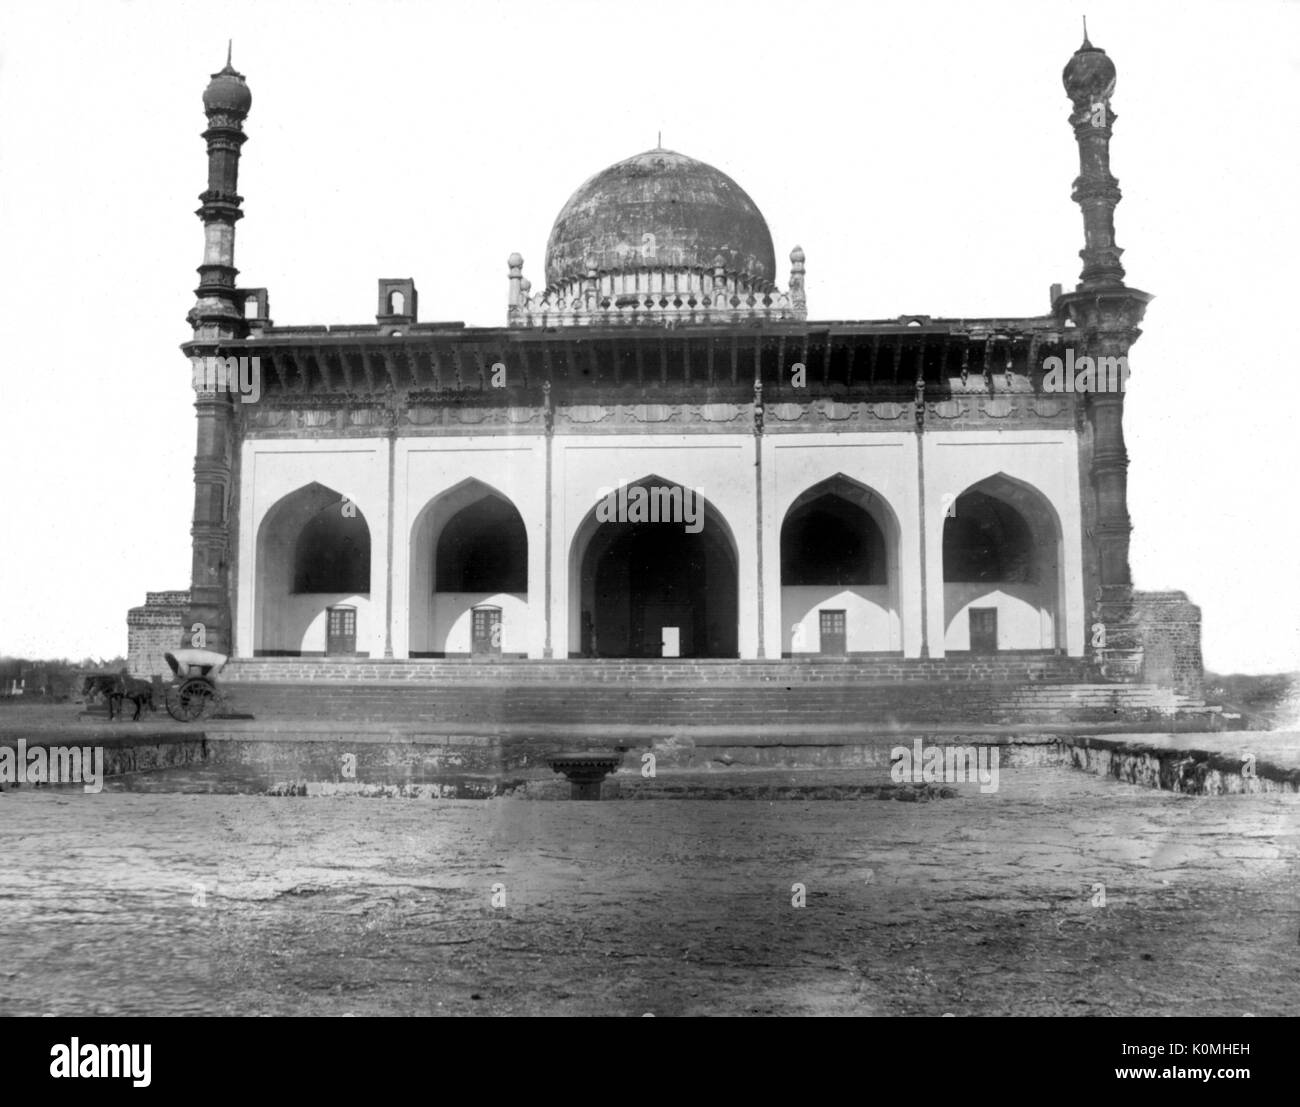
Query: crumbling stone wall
point(1168, 628)
point(154, 629)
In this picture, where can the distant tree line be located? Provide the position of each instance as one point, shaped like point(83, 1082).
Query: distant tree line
point(53, 679)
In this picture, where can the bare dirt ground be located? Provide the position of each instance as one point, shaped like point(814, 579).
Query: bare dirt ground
point(137, 903)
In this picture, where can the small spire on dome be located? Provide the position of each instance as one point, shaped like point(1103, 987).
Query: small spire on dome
point(659, 140)
point(229, 70)
point(1086, 44)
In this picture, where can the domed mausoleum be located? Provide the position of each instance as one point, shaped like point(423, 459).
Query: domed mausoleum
point(658, 237)
point(664, 209)
point(658, 454)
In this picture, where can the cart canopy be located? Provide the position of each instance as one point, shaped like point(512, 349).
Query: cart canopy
point(192, 662)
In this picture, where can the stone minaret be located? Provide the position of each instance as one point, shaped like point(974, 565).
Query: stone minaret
point(1106, 314)
point(216, 317)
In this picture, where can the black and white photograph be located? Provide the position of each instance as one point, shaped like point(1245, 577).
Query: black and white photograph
point(582, 510)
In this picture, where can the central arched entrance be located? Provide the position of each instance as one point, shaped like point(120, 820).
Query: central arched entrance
point(666, 588)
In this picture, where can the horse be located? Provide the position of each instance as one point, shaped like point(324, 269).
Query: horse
point(97, 684)
point(116, 687)
point(139, 692)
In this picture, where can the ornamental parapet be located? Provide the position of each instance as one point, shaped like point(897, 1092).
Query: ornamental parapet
point(655, 295)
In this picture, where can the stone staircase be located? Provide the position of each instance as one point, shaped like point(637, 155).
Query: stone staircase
point(854, 694)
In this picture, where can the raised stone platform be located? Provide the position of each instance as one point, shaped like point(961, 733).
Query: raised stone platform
point(1000, 689)
point(804, 696)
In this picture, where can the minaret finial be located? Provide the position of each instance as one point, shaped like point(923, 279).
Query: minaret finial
point(230, 47)
point(1086, 43)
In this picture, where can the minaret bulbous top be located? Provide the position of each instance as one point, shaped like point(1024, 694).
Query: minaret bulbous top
point(227, 91)
point(1089, 76)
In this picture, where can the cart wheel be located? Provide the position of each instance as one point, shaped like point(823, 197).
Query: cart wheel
point(172, 701)
point(191, 699)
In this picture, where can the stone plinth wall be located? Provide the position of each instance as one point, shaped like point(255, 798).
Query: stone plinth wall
point(1174, 769)
point(135, 753)
point(1168, 628)
point(1008, 667)
point(154, 629)
point(858, 707)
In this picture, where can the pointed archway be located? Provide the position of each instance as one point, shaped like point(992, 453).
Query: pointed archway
point(312, 560)
point(1003, 569)
point(839, 572)
point(469, 572)
point(653, 573)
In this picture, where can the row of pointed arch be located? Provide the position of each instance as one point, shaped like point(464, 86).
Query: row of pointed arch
point(839, 544)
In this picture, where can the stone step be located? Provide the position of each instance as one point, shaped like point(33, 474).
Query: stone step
point(1014, 668)
point(863, 704)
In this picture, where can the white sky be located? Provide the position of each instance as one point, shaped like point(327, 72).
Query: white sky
point(919, 152)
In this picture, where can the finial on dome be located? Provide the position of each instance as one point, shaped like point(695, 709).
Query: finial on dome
point(797, 255)
point(1086, 44)
point(515, 261)
point(229, 70)
point(659, 140)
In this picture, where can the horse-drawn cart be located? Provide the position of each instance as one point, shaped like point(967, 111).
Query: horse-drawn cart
point(193, 694)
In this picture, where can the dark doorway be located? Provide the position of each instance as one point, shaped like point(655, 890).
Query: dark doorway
point(834, 638)
point(486, 631)
point(984, 630)
point(341, 632)
point(643, 581)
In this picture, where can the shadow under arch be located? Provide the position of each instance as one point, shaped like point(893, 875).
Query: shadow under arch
point(312, 553)
point(635, 585)
point(840, 542)
point(1003, 557)
point(468, 548)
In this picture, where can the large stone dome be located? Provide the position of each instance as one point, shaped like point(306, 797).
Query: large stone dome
point(659, 210)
